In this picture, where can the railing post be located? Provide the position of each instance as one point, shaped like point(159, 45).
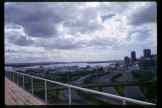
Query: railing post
point(32, 89)
point(23, 81)
point(5, 74)
point(123, 102)
point(69, 94)
point(13, 77)
point(10, 75)
point(17, 79)
point(45, 88)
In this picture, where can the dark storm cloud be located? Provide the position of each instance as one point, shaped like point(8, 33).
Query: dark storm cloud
point(144, 15)
point(23, 41)
point(10, 50)
point(19, 39)
point(37, 20)
point(41, 20)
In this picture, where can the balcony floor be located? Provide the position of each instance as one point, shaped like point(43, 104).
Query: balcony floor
point(15, 95)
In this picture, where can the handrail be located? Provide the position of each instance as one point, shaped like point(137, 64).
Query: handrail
point(104, 85)
point(124, 99)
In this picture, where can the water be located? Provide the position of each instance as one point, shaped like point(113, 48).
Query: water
point(79, 65)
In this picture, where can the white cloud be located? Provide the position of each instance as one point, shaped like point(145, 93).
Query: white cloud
point(63, 31)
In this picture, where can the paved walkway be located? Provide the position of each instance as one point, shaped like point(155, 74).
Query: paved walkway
point(14, 95)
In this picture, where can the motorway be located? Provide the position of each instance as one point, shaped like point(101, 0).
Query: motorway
point(132, 90)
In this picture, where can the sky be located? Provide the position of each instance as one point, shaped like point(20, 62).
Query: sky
point(78, 31)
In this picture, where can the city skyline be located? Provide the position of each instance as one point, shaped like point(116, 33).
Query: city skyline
point(89, 31)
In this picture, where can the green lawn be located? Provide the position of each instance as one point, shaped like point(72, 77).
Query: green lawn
point(120, 90)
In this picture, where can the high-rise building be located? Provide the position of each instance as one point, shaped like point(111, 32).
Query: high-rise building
point(126, 60)
point(147, 52)
point(133, 56)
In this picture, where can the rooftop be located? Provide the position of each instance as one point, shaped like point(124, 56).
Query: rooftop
point(15, 95)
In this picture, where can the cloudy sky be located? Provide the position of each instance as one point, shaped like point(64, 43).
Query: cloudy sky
point(78, 31)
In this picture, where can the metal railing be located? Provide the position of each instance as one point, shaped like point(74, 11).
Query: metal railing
point(124, 100)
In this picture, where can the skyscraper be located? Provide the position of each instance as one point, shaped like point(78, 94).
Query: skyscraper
point(147, 52)
point(126, 60)
point(133, 56)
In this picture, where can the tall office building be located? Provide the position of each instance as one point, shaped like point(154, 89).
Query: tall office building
point(133, 56)
point(147, 52)
point(126, 60)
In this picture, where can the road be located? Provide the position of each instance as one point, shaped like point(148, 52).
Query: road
point(132, 91)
